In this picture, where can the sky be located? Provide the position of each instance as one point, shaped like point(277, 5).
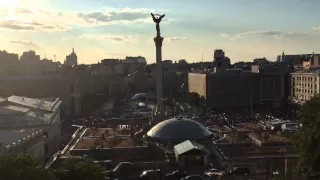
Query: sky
point(100, 29)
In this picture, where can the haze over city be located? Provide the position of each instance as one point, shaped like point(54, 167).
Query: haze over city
point(100, 29)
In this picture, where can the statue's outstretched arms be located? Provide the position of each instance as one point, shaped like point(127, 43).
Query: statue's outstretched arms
point(154, 19)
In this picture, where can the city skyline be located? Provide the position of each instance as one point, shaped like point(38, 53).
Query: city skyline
point(245, 29)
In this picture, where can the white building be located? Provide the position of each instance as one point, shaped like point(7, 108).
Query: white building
point(304, 85)
point(137, 60)
point(30, 126)
point(48, 66)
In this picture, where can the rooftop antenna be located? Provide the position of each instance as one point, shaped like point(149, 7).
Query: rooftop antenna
point(202, 61)
point(202, 57)
point(54, 58)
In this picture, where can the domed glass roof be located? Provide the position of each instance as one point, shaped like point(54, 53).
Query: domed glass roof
point(139, 96)
point(179, 129)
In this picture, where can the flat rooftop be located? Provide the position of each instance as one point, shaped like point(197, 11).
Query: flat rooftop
point(242, 152)
point(18, 111)
point(107, 132)
point(114, 142)
point(105, 138)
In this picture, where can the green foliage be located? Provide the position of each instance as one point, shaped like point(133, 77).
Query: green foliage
point(193, 98)
point(239, 137)
point(307, 141)
point(24, 167)
point(84, 170)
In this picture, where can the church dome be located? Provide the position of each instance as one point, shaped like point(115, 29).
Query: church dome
point(179, 129)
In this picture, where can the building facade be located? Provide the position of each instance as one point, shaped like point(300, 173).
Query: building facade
point(31, 126)
point(304, 85)
point(230, 89)
point(67, 88)
point(9, 63)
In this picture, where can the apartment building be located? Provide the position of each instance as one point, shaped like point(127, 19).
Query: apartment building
point(304, 85)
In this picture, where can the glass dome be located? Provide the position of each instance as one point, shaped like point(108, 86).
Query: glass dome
point(139, 96)
point(179, 129)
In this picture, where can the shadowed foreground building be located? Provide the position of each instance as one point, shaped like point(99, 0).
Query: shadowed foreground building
point(30, 126)
point(226, 89)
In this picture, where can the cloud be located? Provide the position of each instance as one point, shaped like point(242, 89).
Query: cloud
point(22, 25)
point(126, 15)
point(262, 34)
point(25, 43)
point(20, 10)
point(65, 39)
point(224, 35)
point(316, 28)
point(24, 19)
point(113, 38)
point(170, 39)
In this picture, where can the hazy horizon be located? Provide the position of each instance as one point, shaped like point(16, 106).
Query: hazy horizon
point(100, 29)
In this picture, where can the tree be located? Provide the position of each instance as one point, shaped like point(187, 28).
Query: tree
point(240, 136)
point(307, 141)
point(202, 102)
point(84, 170)
point(22, 167)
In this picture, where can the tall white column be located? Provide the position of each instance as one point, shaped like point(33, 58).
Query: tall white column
point(159, 72)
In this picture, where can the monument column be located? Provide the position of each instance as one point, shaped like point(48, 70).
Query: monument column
point(159, 72)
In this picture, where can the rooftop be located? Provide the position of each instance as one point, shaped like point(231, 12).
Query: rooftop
point(16, 111)
point(112, 138)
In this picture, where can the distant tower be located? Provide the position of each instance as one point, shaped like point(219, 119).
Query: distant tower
point(202, 61)
point(282, 56)
point(221, 62)
point(218, 54)
point(72, 59)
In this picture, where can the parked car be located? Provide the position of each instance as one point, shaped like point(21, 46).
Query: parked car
point(176, 175)
point(150, 174)
point(242, 171)
point(213, 172)
point(290, 127)
point(193, 177)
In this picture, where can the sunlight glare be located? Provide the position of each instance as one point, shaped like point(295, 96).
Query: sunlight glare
point(10, 5)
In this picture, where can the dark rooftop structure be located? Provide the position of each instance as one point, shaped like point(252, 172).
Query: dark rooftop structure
point(179, 129)
point(191, 154)
point(188, 147)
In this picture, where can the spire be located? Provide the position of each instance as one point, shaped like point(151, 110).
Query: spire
point(73, 50)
